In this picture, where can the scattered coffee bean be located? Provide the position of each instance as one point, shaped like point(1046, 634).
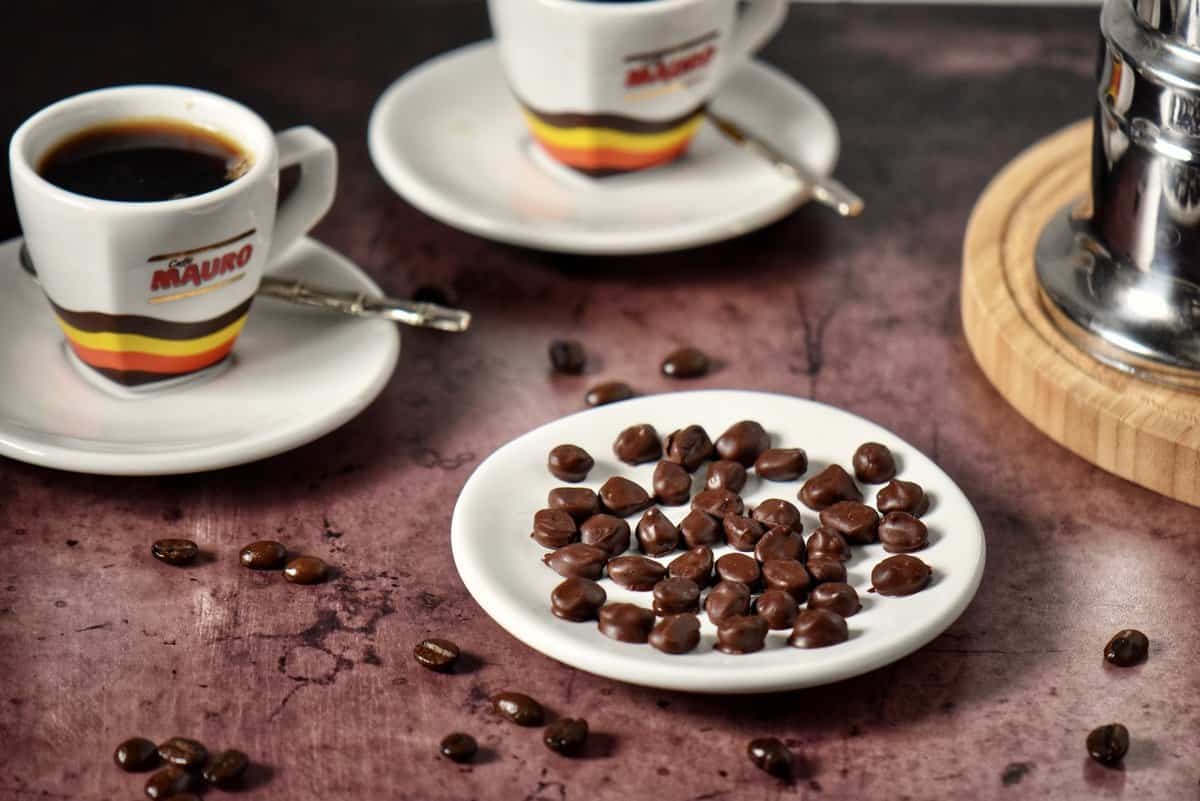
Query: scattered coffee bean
point(836, 597)
point(772, 756)
point(554, 528)
point(577, 560)
point(636, 572)
point(874, 463)
point(264, 555)
point(136, 754)
point(184, 753)
point(570, 463)
point(855, 521)
point(227, 769)
point(566, 736)
point(777, 512)
point(168, 783)
point(436, 654)
point(676, 634)
point(900, 575)
point(828, 544)
point(1127, 647)
point(626, 622)
point(656, 534)
point(727, 599)
point(818, 628)
point(718, 503)
point(579, 502)
point(567, 356)
point(518, 708)
point(609, 392)
point(739, 567)
point(607, 532)
point(458, 747)
point(780, 543)
point(778, 608)
point(1108, 744)
point(622, 497)
point(696, 564)
point(741, 634)
point(689, 447)
point(672, 484)
point(743, 442)
point(786, 575)
point(826, 488)
point(902, 496)
point(685, 363)
point(674, 596)
point(306, 570)
point(700, 528)
point(725, 474)
point(900, 532)
point(577, 599)
point(638, 444)
point(743, 533)
point(822, 569)
point(781, 464)
point(174, 552)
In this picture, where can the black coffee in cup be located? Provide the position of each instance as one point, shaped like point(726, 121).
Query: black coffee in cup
point(144, 160)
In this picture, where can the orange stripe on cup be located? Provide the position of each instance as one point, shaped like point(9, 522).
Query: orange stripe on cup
point(150, 363)
point(611, 159)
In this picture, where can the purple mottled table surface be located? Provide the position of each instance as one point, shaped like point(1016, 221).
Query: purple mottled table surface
point(99, 642)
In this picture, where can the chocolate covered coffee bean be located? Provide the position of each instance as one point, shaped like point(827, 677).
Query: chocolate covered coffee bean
point(553, 528)
point(874, 463)
point(577, 599)
point(673, 596)
point(836, 597)
point(778, 512)
point(743, 533)
point(718, 503)
point(900, 532)
point(607, 532)
point(672, 484)
point(725, 474)
point(818, 628)
point(577, 559)
point(741, 634)
point(676, 634)
point(700, 528)
point(727, 599)
point(689, 447)
point(855, 521)
point(900, 575)
point(826, 488)
point(622, 497)
point(626, 622)
point(778, 608)
point(638, 444)
point(656, 534)
point(579, 502)
point(829, 544)
point(780, 543)
point(696, 564)
point(902, 496)
point(781, 464)
point(742, 442)
point(569, 463)
point(636, 572)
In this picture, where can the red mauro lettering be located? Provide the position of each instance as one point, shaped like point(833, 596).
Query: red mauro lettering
point(165, 279)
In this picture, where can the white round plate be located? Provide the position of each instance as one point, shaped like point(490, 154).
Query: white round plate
point(297, 373)
point(448, 137)
point(502, 567)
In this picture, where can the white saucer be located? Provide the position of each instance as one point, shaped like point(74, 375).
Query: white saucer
point(449, 138)
point(502, 568)
point(297, 374)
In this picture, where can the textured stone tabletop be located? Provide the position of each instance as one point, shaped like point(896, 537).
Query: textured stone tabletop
point(99, 642)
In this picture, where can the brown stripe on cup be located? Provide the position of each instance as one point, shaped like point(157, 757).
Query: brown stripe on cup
point(100, 322)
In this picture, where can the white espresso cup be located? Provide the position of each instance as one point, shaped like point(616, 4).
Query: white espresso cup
point(609, 87)
point(149, 294)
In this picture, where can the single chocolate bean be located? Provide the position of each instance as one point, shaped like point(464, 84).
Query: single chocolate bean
point(577, 560)
point(608, 392)
point(786, 575)
point(743, 442)
point(674, 596)
point(577, 599)
point(436, 654)
point(727, 599)
point(822, 569)
point(777, 512)
point(685, 362)
point(836, 597)
point(855, 521)
point(174, 552)
point(900, 575)
point(184, 753)
point(718, 503)
point(874, 463)
point(696, 564)
point(741, 634)
point(638, 444)
point(826, 488)
point(700, 528)
point(566, 736)
point(636, 572)
point(772, 756)
point(739, 567)
point(622, 497)
point(781, 464)
point(168, 783)
point(818, 628)
point(264, 555)
point(689, 447)
point(306, 570)
point(518, 708)
point(900, 532)
point(778, 608)
point(554, 528)
point(579, 502)
point(829, 544)
point(567, 356)
point(743, 533)
point(725, 474)
point(227, 769)
point(780, 543)
point(902, 496)
point(672, 484)
point(570, 463)
point(1127, 647)
point(458, 747)
point(607, 532)
point(626, 622)
point(136, 754)
point(656, 534)
point(1108, 744)
point(676, 634)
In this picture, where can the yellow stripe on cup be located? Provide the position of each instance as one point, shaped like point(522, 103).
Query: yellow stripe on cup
point(609, 139)
point(152, 345)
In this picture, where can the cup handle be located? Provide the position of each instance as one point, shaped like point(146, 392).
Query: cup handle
point(312, 197)
point(758, 23)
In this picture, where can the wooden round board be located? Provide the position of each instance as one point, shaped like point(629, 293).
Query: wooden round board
point(1146, 433)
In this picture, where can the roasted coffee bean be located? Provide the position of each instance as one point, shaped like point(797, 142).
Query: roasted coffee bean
point(626, 622)
point(174, 552)
point(656, 534)
point(696, 564)
point(577, 560)
point(739, 567)
point(622, 497)
point(672, 484)
point(1127, 647)
point(777, 512)
point(168, 783)
point(1108, 744)
point(743, 442)
point(685, 363)
point(786, 575)
point(902, 496)
point(607, 532)
point(689, 447)
point(567, 356)
point(718, 503)
point(608, 392)
point(577, 599)
point(579, 502)
point(822, 569)
point(741, 634)
point(778, 608)
point(227, 769)
point(674, 596)
point(636, 572)
point(874, 463)
point(818, 628)
point(566, 736)
point(458, 747)
point(900, 575)
point(781, 464)
point(780, 543)
point(638, 444)
point(829, 544)
point(900, 532)
point(836, 597)
point(136, 754)
point(264, 555)
point(184, 753)
point(436, 654)
point(772, 756)
point(826, 488)
point(306, 570)
point(727, 599)
point(676, 634)
point(743, 533)
point(855, 521)
point(554, 528)
point(700, 528)
point(726, 475)
point(518, 708)
point(570, 463)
